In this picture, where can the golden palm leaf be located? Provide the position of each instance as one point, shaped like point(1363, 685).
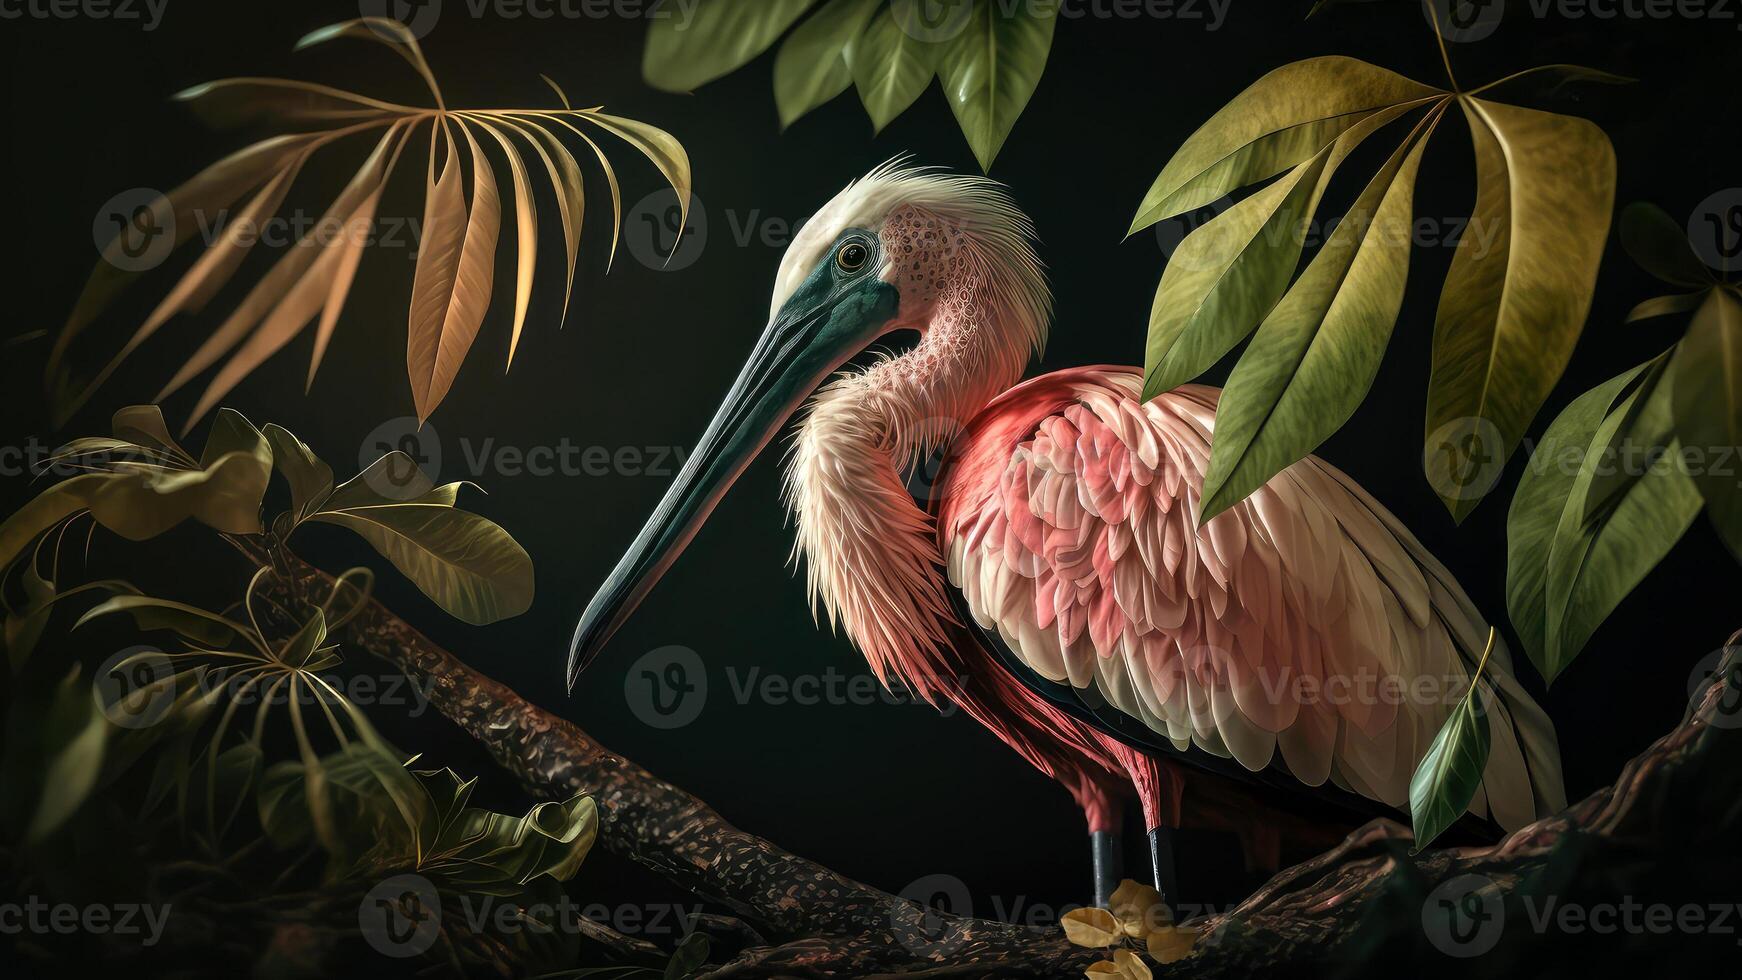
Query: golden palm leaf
point(456, 260)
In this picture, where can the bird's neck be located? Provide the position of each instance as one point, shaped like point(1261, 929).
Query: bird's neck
point(870, 552)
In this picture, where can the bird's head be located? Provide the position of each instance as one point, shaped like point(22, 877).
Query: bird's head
point(882, 256)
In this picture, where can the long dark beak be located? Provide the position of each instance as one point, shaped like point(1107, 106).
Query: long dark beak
point(785, 367)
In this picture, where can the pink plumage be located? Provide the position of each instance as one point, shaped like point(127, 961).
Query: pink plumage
point(1303, 628)
point(1288, 623)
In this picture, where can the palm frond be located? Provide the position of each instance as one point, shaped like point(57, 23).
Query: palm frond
point(454, 281)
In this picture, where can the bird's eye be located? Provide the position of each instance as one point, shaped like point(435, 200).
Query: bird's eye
point(851, 256)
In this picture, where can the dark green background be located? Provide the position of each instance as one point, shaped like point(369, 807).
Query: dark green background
point(884, 793)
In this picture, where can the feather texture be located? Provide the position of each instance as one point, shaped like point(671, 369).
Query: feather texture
point(1305, 620)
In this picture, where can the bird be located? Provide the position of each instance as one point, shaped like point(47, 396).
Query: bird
point(1053, 579)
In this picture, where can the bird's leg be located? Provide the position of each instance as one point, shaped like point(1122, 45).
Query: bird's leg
point(1108, 852)
point(1161, 861)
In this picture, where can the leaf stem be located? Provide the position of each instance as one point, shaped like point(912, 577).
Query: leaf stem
point(1589, 74)
point(1440, 39)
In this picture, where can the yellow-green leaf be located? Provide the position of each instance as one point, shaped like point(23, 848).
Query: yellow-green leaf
point(196, 625)
point(1666, 306)
point(310, 478)
point(1520, 283)
point(1316, 354)
point(466, 564)
point(1604, 498)
point(74, 734)
point(1226, 276)
point(1279, 121)
point(1707, 385)
point(658, 146)
point(45, 510)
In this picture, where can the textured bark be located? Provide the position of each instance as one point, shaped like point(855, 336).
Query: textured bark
point(1359, 903)
point(822, 923)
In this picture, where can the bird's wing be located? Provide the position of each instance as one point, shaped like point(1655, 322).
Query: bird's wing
point(1304, 622)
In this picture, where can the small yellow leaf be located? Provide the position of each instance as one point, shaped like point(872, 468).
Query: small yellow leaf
point(1094, 928)
point(1105, 968)
point(1131, 966)
point(1171, 943)
point(1139, 908)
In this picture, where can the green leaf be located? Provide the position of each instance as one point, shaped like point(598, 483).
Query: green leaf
point(689, 45)
point(1226, 276)
point(400, 808)
point(890, 67)
point(1279, 121)
point(196, 625)
point(379, 807)
point(811, 66)
point(242, 455)
point(1448, 776)
point(466, 564)
point(689, 957)
point(481, 849)
point(1661, 246)
point(284, 814)
point(992, 69)
point(351, 592)
point(1520, 283)
point(140, 500)
point(74, 736)
point(195, 695)
point(1602, 501)
point(45, 510)
point(226, 783)
point(1707, 386)
point(305, 642)
point(143, 425)
point(23, 627)
point(393, 477)
point(1316, 354)
point(1666, 306)
point(310, 479)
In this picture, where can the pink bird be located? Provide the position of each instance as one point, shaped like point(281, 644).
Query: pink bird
point(1056, 583)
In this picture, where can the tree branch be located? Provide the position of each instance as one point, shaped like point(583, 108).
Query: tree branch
point(1367, 890)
